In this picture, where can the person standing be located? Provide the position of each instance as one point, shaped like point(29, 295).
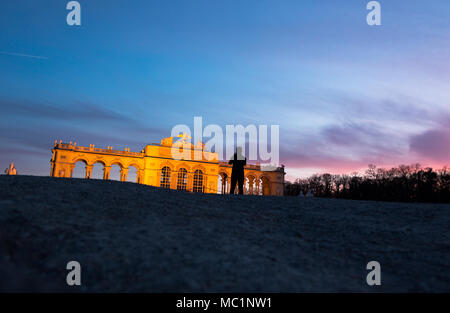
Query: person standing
point(237, 173)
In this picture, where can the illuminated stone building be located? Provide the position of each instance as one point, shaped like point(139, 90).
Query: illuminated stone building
point(155, 166)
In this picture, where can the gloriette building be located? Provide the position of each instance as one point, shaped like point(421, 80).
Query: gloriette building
point(155, 166)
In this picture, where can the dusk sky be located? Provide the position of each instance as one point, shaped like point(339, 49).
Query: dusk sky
point(345, 94)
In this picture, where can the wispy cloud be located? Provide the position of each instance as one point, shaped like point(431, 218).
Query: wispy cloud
point(23, 55)
point(387, 132)
point(70, 111)
point(433, 144)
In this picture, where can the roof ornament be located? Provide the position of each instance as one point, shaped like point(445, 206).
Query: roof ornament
point(184, 138)
point(11, 170)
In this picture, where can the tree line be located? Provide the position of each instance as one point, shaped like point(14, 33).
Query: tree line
point(405, 183)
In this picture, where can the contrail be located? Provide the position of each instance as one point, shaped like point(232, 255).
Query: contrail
point(23, 55)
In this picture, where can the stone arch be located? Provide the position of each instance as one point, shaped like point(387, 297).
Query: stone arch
point(99, 160)
point(135, 165)
point(198, 167)
point(166, 172)
point(223, 183)
point(168, 164)
point(250, 184)
point(80, 159)
point(133, 176)
point(164, 164)
point(94, 170)
point(182, 165)
point(182, 179)
point(116, 171)
point(199, 180)
point(264, 185)
point(76, 171)
point(191, 178)
point(117, 162)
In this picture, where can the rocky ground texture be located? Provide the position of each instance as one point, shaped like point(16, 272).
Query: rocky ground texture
point(135, 238)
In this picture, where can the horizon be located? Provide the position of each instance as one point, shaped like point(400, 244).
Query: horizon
point(345, 94)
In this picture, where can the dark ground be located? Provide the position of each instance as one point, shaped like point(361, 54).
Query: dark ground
point(136, 238)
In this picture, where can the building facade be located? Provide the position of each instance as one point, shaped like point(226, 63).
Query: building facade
point(198, 171)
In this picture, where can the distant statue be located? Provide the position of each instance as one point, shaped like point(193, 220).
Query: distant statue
point(237, 173)
point(184, 138)
point(11, 170)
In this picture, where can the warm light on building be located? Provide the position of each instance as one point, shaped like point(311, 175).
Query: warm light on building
point(156, 166)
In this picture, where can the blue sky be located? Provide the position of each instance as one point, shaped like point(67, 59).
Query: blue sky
point(344, 94)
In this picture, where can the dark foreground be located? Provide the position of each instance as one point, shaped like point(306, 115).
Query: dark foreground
point(136, 238)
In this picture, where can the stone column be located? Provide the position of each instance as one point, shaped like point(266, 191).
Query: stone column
point(205, 184)
point(123, 174)
point(72, 166)
point(52, 170)
point(158, 177)
point(190, 182)
point(223, 188)
point(173, 179)
point(89, 171)
point(106, 171)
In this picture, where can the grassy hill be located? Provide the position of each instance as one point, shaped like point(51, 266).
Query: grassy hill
point(130, 237)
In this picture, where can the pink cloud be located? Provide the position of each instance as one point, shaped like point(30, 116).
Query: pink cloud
point(350, 147)
point(433, 145)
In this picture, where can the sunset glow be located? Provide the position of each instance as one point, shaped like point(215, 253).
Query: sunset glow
point(344, 94)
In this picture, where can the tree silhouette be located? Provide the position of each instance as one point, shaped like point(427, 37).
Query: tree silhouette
point(405, 183)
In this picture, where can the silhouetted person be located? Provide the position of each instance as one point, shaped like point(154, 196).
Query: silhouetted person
point(237, 173)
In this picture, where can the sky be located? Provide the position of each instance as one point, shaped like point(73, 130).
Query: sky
point(345, 94)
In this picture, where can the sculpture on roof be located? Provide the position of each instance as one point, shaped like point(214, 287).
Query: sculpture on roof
point(11, 170)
